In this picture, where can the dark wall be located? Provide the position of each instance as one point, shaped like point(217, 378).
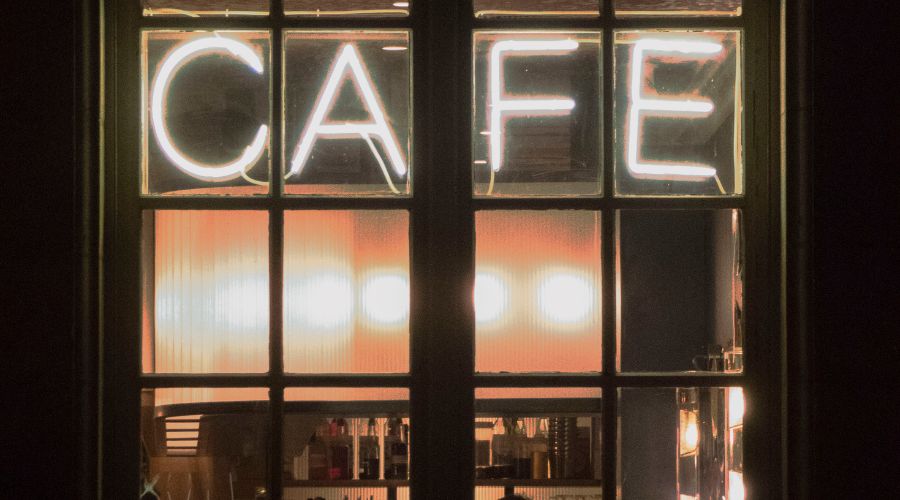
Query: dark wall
point(854, 236)
point(36, 75)
point(856, 210)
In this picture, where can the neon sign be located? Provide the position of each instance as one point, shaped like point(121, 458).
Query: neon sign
point(687, 108)
point(349, 60)
point(522, 107)
point(349, 67)
point(170, 66)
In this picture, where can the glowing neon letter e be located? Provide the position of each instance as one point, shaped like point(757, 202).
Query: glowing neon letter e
point(522, 107)
point(639, 104)
point(172, 63)
point(348, 59)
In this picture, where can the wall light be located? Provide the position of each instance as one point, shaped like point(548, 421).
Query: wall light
point(385, 298)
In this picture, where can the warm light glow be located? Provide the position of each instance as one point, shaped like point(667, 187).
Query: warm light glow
point(348, 65)
point(491, 297)
point(735, 485)
point(170, 66)
point(385, 298)
point(686, 108)
point(501, 107)
point(401, 4)
point(735, 406)
point(325, 301)
point(690, 433)
point(566, 298)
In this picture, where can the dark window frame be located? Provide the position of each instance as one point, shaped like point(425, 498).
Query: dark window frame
point(442, 31)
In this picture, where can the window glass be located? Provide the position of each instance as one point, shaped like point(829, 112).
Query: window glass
point(683, 443)
point(537, 113)
point(206, 113)
point(678, 113)
point(205, 280)
point(629, 8)
point(350, 442)
point(537, 291)
point(347, 8)
point(681, 278)
point(194, 8)
point(347, 113)
point(204, 442)
point(346, 291)
point(548, 8)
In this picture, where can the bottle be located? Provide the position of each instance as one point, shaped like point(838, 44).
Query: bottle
point(318, 456)
point(399, 451)
point(341, 463)
point(370, 453)
point(522, 451)
point(539, 451)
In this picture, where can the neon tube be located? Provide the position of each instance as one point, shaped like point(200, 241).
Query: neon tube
point(639, 104)
point(348, 59)
point(174, 62)
point(522, 107)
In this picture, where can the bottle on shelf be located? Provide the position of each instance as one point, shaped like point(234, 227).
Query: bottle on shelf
point(400, 454)
point(318, 455)
point(539, 465)
point(369, 453)
point(341, 456)
point(521, 451)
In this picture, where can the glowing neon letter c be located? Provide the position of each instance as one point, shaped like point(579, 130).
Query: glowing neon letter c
point(175, 61)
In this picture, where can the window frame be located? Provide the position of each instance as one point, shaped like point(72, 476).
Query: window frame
point(441, 336)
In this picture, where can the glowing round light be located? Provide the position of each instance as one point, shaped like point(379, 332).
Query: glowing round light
point(172, 63)
point(327, 301)
point(566, 298)
point(385, 299)
point(491, 297)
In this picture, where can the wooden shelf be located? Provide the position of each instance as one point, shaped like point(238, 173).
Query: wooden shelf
point(345, 483)
point(394, 483)
point(539, 482)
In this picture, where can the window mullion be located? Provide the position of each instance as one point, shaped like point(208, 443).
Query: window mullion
point(609, 262)
point(276, 261)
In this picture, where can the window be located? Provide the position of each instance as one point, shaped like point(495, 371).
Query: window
point(427, 249)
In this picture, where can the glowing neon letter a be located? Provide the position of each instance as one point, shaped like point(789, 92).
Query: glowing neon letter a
point(348, 60)
point(638, 104)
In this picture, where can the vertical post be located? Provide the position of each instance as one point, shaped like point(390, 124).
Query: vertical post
point(609, 258)
point(276, 259)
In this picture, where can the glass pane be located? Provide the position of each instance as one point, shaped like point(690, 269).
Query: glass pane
point(555, 8)
point(345, 441)
point(346, 286)
point(206, 112)
point(204, 443)
point(347, 113)
point(537, 113)
point(541, 445)
point(346, 8)
point(681, 278)
point(678, 113)
point(633, 8)
point(194, 8)
point(683, 444)
point(205, 280)
point(537, 291)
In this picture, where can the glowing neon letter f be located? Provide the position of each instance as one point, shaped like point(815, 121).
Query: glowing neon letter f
point(522, 107)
